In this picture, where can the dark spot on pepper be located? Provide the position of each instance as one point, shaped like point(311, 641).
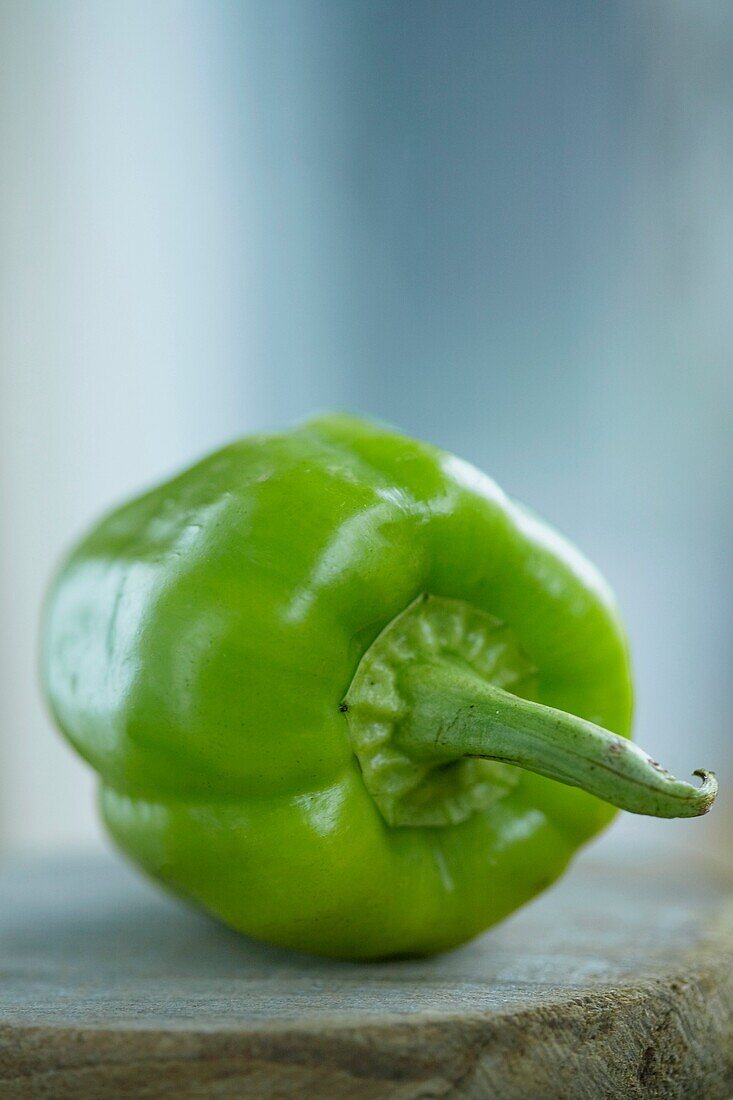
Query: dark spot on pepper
point(647, 1070)
point(344, 707)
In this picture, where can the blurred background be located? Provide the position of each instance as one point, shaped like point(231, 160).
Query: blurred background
point(506, 227)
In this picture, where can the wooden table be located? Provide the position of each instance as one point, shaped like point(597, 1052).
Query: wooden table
point(617, 983)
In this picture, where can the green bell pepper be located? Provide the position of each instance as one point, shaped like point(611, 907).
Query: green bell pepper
point(344, 694)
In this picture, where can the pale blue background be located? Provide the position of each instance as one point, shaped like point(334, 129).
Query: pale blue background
point(506, 227)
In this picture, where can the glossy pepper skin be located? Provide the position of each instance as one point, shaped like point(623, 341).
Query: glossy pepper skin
point(200, 646)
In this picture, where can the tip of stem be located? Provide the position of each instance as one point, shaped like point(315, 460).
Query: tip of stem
point(707, 790)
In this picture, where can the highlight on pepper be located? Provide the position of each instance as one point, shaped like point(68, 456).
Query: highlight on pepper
point(344, 694)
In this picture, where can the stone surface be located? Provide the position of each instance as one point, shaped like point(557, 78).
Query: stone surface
point(618, 982)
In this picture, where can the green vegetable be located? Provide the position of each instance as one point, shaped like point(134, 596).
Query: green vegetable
point(330, 680)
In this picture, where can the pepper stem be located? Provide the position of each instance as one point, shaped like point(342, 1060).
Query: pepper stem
point(453, 713)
